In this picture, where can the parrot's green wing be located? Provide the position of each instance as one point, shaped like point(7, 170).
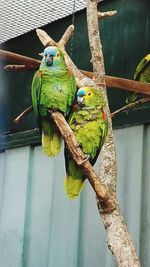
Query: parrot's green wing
point(51, 138)
point(36, 90)
point(142, 74)
point(90, 128)
point(141, 67)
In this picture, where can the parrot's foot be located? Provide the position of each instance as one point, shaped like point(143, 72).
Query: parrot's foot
point(78, 146)
point(86, 158)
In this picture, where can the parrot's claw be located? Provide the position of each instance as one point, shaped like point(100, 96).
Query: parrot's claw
point(78, 146)
point(86, 158)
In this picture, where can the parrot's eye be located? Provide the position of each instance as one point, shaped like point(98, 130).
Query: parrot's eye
point(89, 93)
point(58, 55)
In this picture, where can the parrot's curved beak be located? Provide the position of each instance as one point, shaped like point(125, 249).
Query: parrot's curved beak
point(49, 60)
point(80, 100)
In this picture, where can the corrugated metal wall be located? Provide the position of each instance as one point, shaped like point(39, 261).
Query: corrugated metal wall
point(41, 227)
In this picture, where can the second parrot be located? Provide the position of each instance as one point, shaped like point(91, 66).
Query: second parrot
point(142, 74)
point(90, 126)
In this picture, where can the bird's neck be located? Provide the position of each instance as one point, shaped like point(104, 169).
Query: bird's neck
point(54, 67)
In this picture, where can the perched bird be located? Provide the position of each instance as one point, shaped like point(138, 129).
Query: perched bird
point(89, 125)
point(53, 88)
point(142, 74)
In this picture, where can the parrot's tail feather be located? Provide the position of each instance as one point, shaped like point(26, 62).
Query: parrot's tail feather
point(51, 139)
point(46, 144)
point(56, 144)
point(73, 187)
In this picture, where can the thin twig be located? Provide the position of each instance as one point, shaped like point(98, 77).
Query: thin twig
point(127, 107)
point(130, 106)
point(23, 114)
point(102, 15)
point(20, 68)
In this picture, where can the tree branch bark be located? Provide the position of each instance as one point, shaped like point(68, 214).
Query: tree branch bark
point(118, 239)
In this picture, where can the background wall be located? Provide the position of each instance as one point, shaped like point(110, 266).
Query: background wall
point(40, 226)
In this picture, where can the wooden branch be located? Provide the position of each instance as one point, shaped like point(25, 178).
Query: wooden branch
point(19, 68)
point(95, 44)
point(119, 241)
point(127, 84)
point(66, 36)
point(45, 39)
point(130, 106)
point(122, 83)
point(102, 15)
point(23, 114)
point(108, 151)
point(6, 55)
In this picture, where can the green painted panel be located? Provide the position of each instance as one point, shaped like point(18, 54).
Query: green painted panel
point(145, 207)
point(65, 225)
point(130, 176)
point(38, 210)
point(12, 213)
point(40, 226)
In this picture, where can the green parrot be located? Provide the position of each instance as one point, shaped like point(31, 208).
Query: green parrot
point(90, 126)
point(53, 88)
point(142, 74)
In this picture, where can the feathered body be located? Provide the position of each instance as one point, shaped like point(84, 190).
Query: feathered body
point(142, 74)
point(89, 125)
point(53, 88)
